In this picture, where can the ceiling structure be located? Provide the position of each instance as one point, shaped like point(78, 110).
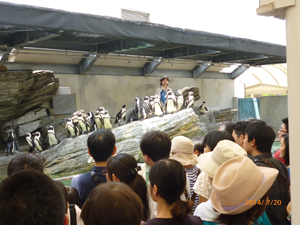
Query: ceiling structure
point(74, 43)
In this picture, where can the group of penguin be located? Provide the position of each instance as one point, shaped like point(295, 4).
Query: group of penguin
point(38, 144)
point(153, 107)
point(82, 123)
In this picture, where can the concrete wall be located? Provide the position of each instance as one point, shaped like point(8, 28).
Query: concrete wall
point(273, 109)
point(111, 92)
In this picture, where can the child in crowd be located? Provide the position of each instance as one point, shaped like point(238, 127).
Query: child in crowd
point(123, 168)
point(112, 203)
point(167, 182)
point(182, 150)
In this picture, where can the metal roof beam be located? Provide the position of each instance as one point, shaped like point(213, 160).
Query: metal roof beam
point(86, 63)
point(27, 38)
point(200, 69)
point(122, 45)
point(238, 56)
point(238, 71)
point(149, 67)
point(189, 51)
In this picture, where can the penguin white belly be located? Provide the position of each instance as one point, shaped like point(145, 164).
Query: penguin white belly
point(107, 123)
point(29, 142)
point(179, 104)
point(82, 125)
point(157, 109)
point(38, 145)
point(52, 139)
point(170, 106)
point(98, 122)
point(71, 130)
point(191, 103)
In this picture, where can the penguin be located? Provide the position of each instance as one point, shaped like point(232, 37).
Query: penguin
point(170, 106)
point(179, 101)
point(157, 108)
point(101, 114)
point(82, 123)
point(203, 108)
point(90, 118)
point(77, 127)
point(147, 106)
point(72, 130)
point(97, 121)
point(189, 103)
point(39, 142)
point(30, 142)
point(11, 145)
point(106, 120)
point(121, 115)
point(51, 139)
point(137, 107)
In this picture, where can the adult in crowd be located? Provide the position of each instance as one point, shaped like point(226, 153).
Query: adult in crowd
point(182, 150)
point(31, 197)
point(285, 151)
point(238, 131)
point(111, 204)
point(167, 183)
point(163, 90)
point(123, 168)
point(101, 145)
point(241, 199)
point(202, 185)
point(258, 143)
point(155, 145)
point(283, 130)
point(25, 161)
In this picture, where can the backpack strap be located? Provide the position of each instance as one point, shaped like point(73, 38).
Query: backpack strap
point(94, 176)
point(73, 220)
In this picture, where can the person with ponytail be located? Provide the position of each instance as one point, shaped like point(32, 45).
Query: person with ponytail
point(123, 168)
point(167, 183)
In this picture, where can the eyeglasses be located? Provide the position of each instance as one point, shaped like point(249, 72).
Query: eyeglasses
point(281, 130)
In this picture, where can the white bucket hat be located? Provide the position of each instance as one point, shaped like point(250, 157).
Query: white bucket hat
point(182, 150)
point(224, 150)
point(239, 181)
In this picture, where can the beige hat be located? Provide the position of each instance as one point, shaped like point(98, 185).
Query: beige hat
point(182, 150)
point(239, 181)
point(224, 150)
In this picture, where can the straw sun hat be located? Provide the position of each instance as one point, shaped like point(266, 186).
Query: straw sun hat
point(224, 150)
point(239, 181)
point(182, 150)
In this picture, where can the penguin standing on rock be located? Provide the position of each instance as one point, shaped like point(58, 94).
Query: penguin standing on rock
point(121, 115)
point(11, 145)
point(39, 142)
point(97, 121)
point(189, 103)
point(72, 130)
point(82, 123)
point(170, 105)
point(147, 107)
point(203, 108)
point(106, 120)
point(30, 142)
point(179, 101)
point(51, 139)
point(157, 108)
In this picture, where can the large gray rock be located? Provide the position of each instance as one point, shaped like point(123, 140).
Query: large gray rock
point(71, 155)
point(24, 90)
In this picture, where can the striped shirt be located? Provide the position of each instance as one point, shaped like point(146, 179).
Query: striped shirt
point(192, 176)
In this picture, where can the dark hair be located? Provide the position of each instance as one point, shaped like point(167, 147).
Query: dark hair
point(251, 214)
point(286, 123)
point(287, 149)
point(31, 197)
point(156, 145)
point(25, 161)
point(240, 127)
point(213, 137)
point(263, 134)
point(170, 178)
point(124, 167)
point(199, 147)
point(229, 127)
point(101, 144)
point(112, 203)
point(72, 195)
point(63, 191)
